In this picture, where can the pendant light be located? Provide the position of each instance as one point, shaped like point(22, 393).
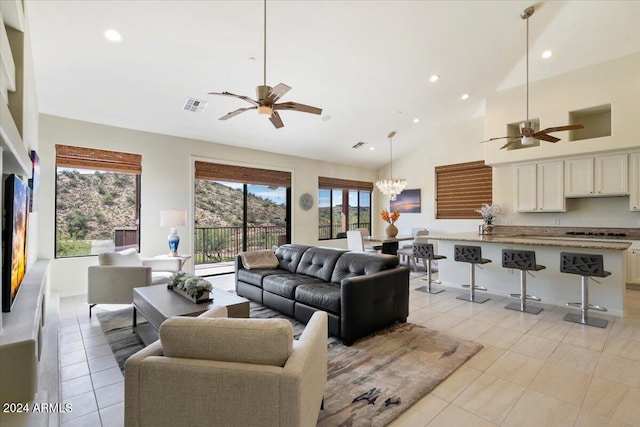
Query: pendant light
point(391, 186)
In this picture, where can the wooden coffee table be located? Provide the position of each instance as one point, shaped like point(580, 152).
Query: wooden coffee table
point(157, 303)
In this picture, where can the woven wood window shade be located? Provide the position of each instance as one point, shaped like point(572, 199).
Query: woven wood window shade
point(241, 174)
point(343, 184)
point(102, 160)
point(461, 189)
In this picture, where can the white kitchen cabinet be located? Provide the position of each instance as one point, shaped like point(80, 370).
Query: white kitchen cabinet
point(633, 264)
point(539, 187)
point(634, 181)
point(605, 175)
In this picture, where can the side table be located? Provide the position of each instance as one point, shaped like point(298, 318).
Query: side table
point(182, 257)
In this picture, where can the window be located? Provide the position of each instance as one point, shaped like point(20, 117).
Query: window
point(97, 201)
point(461, 189)
point(342, 205)
point(239, 209)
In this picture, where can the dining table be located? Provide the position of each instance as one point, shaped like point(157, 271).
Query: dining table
point(389, 244)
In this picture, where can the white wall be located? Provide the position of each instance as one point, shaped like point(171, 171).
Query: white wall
point(444, 147)
point(167, 182)
point(615, 82)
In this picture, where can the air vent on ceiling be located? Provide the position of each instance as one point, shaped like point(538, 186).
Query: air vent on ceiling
point(359, 144)
point(195, 105)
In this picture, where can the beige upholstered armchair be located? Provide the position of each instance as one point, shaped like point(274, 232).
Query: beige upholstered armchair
point(228, 372)
point(117, 273)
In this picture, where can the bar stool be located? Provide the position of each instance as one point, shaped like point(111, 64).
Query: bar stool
point(587, 266)
point(524, 261)
point(425, 252)
point(472, 255)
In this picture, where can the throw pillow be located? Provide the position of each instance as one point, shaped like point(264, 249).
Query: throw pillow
point(259, 259)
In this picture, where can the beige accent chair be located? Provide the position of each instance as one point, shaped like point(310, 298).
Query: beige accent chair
point(117, 273)
point(228, 372)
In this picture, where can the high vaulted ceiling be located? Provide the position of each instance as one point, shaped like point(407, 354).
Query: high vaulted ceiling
point(366, 63)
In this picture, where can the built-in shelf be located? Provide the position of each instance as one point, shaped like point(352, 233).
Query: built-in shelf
point(596, 122)
point(514, 129)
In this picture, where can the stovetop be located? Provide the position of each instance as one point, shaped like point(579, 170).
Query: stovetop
point(596, 234)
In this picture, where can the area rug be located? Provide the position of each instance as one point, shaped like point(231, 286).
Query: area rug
point(368, 384)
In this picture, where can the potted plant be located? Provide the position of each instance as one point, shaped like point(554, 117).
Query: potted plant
point(193, 288)
point(489, 213)
point(391, 218)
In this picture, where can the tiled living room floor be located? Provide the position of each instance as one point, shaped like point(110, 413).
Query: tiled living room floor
point(532, 371)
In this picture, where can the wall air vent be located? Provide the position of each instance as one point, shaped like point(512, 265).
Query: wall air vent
point(359, 145)
point(195, 105)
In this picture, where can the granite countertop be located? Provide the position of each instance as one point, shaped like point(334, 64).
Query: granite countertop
point(565, 242)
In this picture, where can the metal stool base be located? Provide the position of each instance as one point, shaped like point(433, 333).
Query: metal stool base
point(591, 321)
point(426, 289)
point(474, 298)
point(527, 308)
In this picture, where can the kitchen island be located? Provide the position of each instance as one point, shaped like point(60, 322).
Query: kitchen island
point(552, 286)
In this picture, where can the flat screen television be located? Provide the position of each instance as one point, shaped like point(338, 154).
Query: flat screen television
point(14, 262)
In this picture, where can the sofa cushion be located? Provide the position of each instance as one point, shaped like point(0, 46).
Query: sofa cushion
point(319, 262)
point(259, 259)
point(285, 285)
point(126, 258)
point(255, 277)
point(325, 296)
point(360, 264)
point(289, 256)
point(257, 341)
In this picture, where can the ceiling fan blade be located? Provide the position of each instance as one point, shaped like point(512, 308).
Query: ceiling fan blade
point(545, 137)
point(244, 98)
point(236, 112)
point(560, 128)
point(513, 141)
point(493, 139)
point(276, 120)
point(276, 93)
point(294, 106)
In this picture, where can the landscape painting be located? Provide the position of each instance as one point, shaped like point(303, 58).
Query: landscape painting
point(15, 244)
point(407, 202)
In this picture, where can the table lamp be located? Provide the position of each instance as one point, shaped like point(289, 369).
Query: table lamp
point(173, 218)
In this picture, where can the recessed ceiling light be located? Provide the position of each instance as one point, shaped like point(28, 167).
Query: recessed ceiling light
point(464, 96)
point(372, 148)
point(547, 54)
point(113, 36)
point(434, 78)
point(416, 120)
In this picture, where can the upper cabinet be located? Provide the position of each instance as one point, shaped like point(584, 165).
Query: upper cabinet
point(539, 187)
point(634, 181)
point(605, 175)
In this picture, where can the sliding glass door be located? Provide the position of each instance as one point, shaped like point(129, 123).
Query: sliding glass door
point(231, 217)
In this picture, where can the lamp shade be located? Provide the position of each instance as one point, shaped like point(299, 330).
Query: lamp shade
point(173, 218)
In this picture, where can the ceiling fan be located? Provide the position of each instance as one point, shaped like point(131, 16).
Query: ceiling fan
point(527, 133)
point(267, 96)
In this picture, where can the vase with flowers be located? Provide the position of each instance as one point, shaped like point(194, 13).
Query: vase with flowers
point(489, 214)
point(391, 218)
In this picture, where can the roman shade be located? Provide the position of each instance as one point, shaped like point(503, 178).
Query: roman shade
point(343, 184)
point(462, 188)
point(91, 158)
point(241, 174)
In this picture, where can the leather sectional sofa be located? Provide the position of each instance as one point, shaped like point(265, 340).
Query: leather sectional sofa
point(360, 292)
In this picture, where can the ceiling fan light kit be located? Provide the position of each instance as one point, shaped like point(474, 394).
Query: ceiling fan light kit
point(391, 186)
point(528, 135)
point(267, 96)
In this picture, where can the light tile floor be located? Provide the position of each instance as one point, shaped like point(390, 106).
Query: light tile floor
point(532, 371)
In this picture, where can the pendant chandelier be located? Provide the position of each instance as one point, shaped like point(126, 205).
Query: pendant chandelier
point(391, 186)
